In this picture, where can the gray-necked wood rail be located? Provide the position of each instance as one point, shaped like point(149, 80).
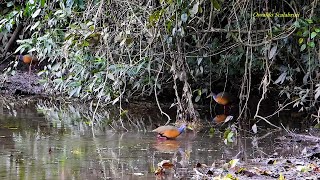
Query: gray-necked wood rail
point(222, 98)
point(169, 132)
point(28, 59)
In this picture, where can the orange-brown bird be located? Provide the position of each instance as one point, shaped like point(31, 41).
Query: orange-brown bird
point(28, 59)
point(222, 98)
point(219, 118)
point(169, 132)
point(222, 118)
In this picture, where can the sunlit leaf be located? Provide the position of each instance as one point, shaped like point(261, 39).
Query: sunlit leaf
point(194, 9)
point(233, 163)
point(35, 14)
point(197, 99)
point(305, 78)
point(115, 100)
point(254, 128)
point(110, 76)
point(301, 40)
point(281, 177)
point(311, 44)
point(273, 51)
point(305, 33)
point(35, 25)
point(316, 96)
point(216, 4)
point(228, 118)
point(73, 92)
point(184, 17)
point(313, 34)
point(199, 60)
point(309, 21)
point(281, 78)
point(303, 47)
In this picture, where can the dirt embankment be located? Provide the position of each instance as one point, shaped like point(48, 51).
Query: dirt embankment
point(21, 83)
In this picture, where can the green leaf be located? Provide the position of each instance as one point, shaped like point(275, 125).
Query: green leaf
point(35, 14)
point(43, 2)
point(296, 24)
point(229, 137)
point(301, 40)
point(313, 34)
point(317, 30)
point(303, 47)
point(35, 25)
point(309, 21)
point(311, 44)
point(305, 33)
point(194, 9)
point(211, 131)
point(184, 17)
point(215, 4)
point(71, 93)
point(197, 99)
point(272, 52)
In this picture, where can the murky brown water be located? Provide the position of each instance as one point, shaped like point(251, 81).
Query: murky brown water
point(43, 141)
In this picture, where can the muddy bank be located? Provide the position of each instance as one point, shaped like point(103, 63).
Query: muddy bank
point(21, 83)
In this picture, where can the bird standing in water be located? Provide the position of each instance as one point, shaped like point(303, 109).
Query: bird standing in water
point(28, 59)
point(222, 118)
point(169, 132)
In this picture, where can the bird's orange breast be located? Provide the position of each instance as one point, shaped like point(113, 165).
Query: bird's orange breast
point(29, 59)
point(222, 100)
point(220, 118)
point(172, 133)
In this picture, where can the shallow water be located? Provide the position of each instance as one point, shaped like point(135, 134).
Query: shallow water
point(40, 140)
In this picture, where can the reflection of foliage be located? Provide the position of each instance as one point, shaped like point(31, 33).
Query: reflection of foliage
point(84, 116)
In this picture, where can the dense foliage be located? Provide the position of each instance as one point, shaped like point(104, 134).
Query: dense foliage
point(115, 50)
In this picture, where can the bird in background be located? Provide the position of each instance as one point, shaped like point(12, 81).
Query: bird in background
point(222, 118)
point(170, 132)
point(28, 59)
point(222, 98)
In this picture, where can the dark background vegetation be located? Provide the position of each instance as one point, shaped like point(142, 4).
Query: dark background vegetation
point(172, 50)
